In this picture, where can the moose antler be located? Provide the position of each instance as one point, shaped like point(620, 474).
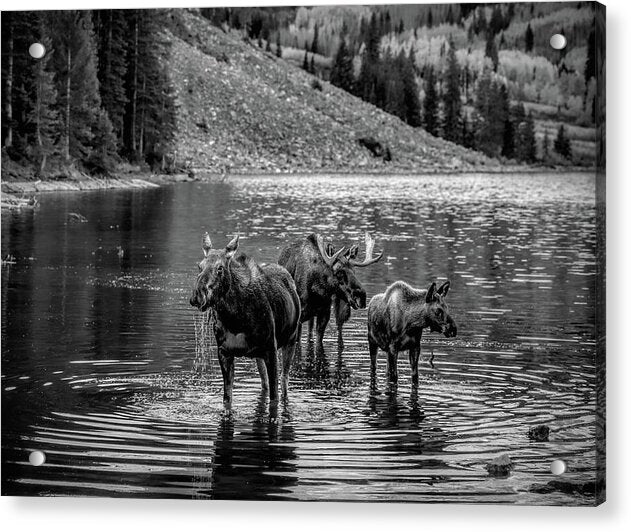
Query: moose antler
point(370, 246)
point(206, 243)
point(329, 259)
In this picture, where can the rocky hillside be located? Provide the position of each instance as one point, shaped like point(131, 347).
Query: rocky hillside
point(241, 109)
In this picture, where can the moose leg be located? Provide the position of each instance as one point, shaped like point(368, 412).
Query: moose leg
point(323, 320)
point(272, 373)
point(298, 351)
point(342, 315)
point(227, 370)
point(287, 355)
point(391, 370)
point(372, 349)
point(260, 364)
point(310, 330)
point(413, 354)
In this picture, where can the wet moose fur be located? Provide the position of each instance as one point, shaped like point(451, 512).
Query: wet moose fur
point(396, 319)
point(257, 312)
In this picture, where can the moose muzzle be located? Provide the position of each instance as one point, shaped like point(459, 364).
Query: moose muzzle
point(450, 330)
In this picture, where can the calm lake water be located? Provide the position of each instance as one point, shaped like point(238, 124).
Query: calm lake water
point(98, 349)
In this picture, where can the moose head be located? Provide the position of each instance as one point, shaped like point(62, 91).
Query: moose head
point(437, 312)
point(214, 273)
point(348, 286)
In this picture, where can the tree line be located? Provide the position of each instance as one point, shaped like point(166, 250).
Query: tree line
point(482, 118)
point(99, 95)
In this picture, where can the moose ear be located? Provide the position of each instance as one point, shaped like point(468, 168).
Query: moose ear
point(206, 244)
point(444, 288)
point(330, 249)
point(232, 246)
point(352, 253)
point(431, 293)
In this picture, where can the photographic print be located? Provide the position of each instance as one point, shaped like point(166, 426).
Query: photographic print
point(312, 253)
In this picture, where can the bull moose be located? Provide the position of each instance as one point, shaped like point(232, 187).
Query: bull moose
point(323, 275)
point(341, 306)
point(257, 312)
point(396, 319)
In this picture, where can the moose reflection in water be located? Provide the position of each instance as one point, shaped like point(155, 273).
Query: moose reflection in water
point(324, 277)
point(263, 451)
point(396, 320)
point(257, 312)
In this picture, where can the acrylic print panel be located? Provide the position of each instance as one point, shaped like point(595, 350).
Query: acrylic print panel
point(415, 181)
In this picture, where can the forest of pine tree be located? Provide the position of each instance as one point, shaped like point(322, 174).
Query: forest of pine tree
point(483, 76)
point(100, 95)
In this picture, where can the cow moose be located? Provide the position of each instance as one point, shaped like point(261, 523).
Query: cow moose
point(257, 312)
point(396, 319)
point(324, 276)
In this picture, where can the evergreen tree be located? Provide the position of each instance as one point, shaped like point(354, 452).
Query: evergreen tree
point(491, 50)
point(490, 115)
point(530, 139)
point(342, 71)
point(268, 46)
point(19, 30)
point(590, 72)
point(366, 87)
point(111, 33)
point(305, 62)
point(497, 20)
point(314, 43)
point(312, 66)
point(525, 140)
point(471, 32)
point(43, 115)
point(279, 50)
point(430, 102)
point(562, 144)
point(411, 103)
point(149, 123)
point(390, 85)
point(387, 26)
point(451, 96)
point(510, 14)
point(450, 16)
point(103, 156)
point(545, 146)
point(482, 25)
point(74, 62)
point(529, 38)
point(8, 77)
point(430, 19)
point(590, 63)
point(508, 139)
point(468, 136)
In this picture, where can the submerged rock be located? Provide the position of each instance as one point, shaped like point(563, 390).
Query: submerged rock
point(500, 466)
point(539, 433)
point(565, 486)
point(76, 217)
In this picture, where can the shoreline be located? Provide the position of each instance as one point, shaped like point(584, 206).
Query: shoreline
point(18, 194)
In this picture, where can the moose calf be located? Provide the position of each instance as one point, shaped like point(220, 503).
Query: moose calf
point(257, 310)
point(396, 320)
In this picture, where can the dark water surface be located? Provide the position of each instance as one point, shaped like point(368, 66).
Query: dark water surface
point(98, 349)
